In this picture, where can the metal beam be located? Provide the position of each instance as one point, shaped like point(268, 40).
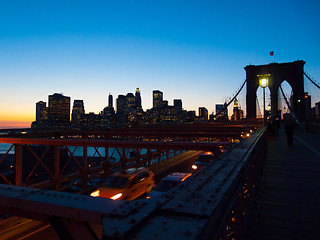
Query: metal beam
point(117, 144)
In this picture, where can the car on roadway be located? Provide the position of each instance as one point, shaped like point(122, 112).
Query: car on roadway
point(167, 183)
point(203, 161)
point(126, 184)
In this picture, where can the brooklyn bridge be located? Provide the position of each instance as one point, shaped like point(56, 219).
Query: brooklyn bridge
point(257, 186)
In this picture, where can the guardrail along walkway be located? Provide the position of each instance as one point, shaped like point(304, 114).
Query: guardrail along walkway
point(288, 203)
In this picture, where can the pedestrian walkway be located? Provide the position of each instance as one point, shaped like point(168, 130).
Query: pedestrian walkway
point(288, 202)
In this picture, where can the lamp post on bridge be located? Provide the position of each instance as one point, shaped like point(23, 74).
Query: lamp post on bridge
point(263, 82)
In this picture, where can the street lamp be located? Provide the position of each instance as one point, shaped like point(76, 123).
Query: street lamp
point(269, 107)
point(263, 82)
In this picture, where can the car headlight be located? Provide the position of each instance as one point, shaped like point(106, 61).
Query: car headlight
point(95, 193)
point(117, 196)
point(194, 167)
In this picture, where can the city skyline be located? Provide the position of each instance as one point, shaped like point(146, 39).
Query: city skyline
point(192, 51)
point(127, 112)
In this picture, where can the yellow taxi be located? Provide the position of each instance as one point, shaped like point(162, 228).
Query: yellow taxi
point(126, 184)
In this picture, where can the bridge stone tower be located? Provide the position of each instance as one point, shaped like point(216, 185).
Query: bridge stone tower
point(276, 73)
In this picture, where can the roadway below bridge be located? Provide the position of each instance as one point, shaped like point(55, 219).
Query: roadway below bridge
point(15, 228)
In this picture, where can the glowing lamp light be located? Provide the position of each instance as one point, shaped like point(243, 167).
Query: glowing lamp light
point(194, 167)
point(263, 82)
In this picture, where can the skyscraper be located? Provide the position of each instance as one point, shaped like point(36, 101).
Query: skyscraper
point(221, 112)
point(122, 104)
point(108, 117)
point(131, 102)
point(157, 99)
point(59, 110)
point(177, 103)
point(41, 111)
point(236, 111)
point(110, 100)
point(77, 112)
point(122, 110)
point(203, 114)
point(137, 98)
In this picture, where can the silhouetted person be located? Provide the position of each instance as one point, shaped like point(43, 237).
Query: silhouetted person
point(270, 128)
point(289, 126)
point(276, 126)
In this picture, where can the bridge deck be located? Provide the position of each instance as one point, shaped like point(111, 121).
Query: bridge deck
point(288, 200)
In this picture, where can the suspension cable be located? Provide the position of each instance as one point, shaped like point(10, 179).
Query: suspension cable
point(290, 108)
point(311, 80)
point(227, 105)
point(258, 107)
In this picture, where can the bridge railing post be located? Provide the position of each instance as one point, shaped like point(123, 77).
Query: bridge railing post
point(84, 170)
point(18, 163)
point(56, 164)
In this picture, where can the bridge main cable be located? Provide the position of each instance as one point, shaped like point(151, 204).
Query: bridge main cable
point(311, 80)
point(227, 105)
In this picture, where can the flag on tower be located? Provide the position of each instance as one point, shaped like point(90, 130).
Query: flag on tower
point(271, 53)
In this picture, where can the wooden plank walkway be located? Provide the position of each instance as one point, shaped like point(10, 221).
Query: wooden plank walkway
point(288, 203)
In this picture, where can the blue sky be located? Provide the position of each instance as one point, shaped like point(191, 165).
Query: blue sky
point(190, 50)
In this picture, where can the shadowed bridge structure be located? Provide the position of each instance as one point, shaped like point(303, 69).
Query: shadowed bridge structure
point(259, 189)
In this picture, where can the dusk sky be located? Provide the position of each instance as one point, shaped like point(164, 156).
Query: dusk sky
point(190, 50)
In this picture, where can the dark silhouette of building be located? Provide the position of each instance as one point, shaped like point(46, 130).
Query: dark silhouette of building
point(177, 103)
point(221, 112)
point(129, 113)
point(179, 112)
point(91, 121)
point(110, 100)
point(236, 111)
point(77, 113)
point(132, 110)
point(108, 117)
point(203, 114)
point(41, 111)
point(59, 110)
point(167, 113)
point(157, 99)
point(317, 110)
point(122, 111)
point(131, 100)
point(41, 115)
point(137, 98)
point(191, 116)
